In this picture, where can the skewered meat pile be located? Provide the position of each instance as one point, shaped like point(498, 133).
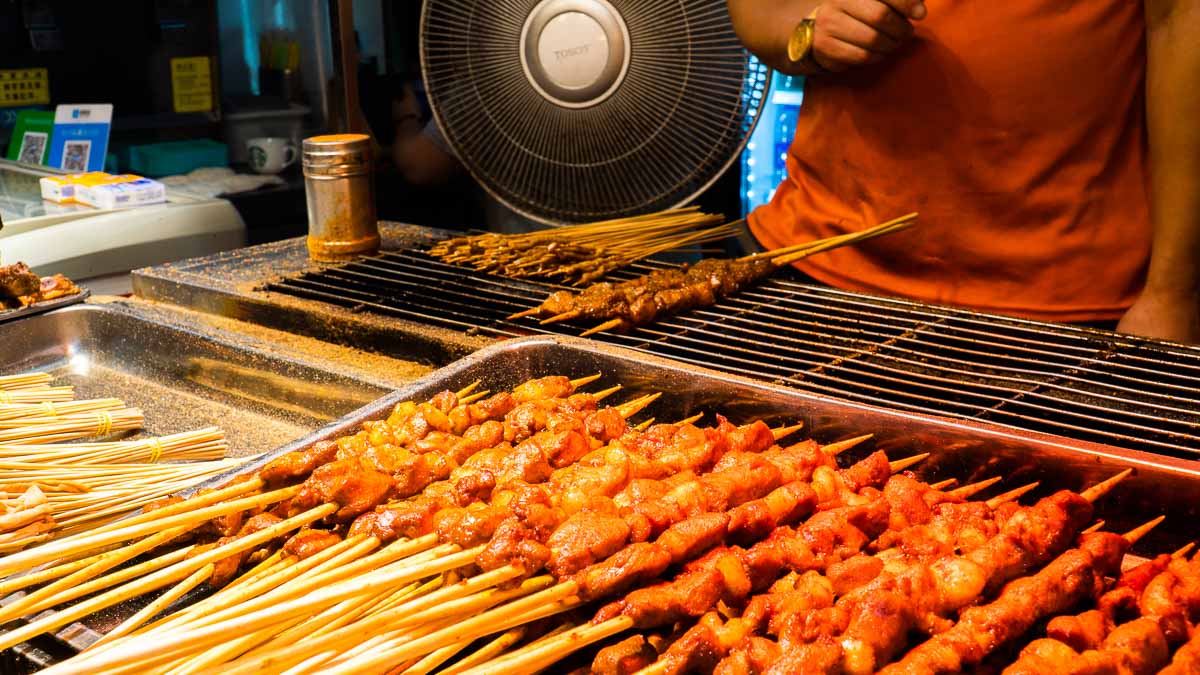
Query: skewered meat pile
point(581, 254)
point(20, 287)
point(407, 544)
point(662, 293)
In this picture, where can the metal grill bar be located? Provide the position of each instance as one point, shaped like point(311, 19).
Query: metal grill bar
point(889, 352)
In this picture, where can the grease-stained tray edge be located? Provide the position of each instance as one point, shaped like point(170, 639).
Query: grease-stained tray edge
point(7, 315)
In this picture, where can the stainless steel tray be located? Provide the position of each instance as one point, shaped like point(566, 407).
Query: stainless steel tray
point(183, 378)
point(967, 451)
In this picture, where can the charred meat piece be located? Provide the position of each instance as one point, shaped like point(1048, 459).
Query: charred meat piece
point(18, 280)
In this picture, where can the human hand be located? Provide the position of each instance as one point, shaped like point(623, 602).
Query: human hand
point(1164, 315)
point(850, 33)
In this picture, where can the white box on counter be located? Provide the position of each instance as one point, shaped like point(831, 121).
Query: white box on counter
point(138, 192)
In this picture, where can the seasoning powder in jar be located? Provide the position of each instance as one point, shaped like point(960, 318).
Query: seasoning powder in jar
point(341, 197)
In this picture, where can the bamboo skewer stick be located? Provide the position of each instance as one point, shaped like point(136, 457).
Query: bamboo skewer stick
point(842, 446)
point(1098, 490)
point(81, 426)
point(545, 652)
point(74, 585)
point(168, 646)
point(269, 583)
point(37, 395)
point(968, 491)
point(25, 381)
point(160, 603)
point(331, 572)
point(49, 409)
point(204, 444)
point(131, 530)
point(1012, 495)
point(160, 578)
point(488, 652)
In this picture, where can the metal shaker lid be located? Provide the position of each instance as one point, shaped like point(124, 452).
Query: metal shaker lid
point(337, 154)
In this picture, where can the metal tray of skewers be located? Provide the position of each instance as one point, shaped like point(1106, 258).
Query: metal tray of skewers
point(967, 452)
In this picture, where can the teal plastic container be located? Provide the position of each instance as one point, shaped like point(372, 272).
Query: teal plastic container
point(176, 157)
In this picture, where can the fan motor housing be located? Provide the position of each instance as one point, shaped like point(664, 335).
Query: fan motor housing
point(575, 52)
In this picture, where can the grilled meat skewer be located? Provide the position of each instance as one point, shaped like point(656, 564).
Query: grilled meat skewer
point(661, 293)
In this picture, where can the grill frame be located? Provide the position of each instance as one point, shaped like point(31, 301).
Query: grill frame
point(1075, 382)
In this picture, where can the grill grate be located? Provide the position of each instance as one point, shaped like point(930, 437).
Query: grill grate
point(1078, 383)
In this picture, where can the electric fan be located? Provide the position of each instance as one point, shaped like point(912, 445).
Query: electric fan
point(585, 110)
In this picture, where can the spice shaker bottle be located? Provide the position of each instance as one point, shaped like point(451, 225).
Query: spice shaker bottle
point(341, 197)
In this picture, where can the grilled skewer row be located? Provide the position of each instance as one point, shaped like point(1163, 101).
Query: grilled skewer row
point(643, 300)
point(1019, 540)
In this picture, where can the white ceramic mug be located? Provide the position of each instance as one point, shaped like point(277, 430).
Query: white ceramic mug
point(270, 154)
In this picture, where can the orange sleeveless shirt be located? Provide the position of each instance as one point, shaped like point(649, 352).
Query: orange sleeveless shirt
point(1016, 128)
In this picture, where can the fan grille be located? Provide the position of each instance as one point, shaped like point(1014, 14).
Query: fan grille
point(681, 115)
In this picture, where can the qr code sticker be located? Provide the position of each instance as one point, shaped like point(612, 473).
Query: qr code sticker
point(75, 155)
point(33, 147)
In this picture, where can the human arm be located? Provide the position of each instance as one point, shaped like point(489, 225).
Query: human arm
point(847, 33)
point(1169, 306)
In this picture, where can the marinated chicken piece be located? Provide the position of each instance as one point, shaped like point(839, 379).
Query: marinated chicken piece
point(307, 543)
point(474, 487)
point(755, 519)
point(487, 434)
point(631, 566)
point(514, 544)
point(349, 483)
point(1173, 598)
point(470, 526)
point(691, 537)
point(1044, 656)
point(555, 386)
point(624, 658)
point(226, 568)
point(584, 539)
point(1082, 632)
point(491, 409)
point(298, 464)
point(403, 519)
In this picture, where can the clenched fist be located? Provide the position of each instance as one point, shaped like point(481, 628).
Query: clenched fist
point(851, 33)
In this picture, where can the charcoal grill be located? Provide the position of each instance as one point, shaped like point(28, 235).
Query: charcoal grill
point(1079, 383)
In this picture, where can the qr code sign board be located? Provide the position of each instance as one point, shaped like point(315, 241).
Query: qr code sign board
point(26, 86)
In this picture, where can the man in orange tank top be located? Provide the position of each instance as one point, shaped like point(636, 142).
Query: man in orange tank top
point(1052, 148)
